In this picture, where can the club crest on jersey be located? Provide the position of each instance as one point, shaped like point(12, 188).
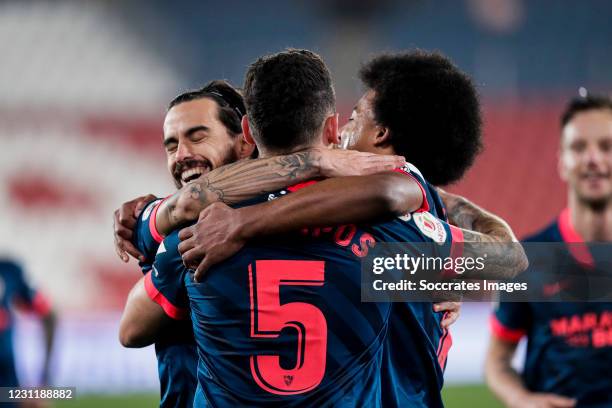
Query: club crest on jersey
point(430, 226)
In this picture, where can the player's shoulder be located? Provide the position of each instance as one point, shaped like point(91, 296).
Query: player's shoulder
point(167, 253)
point(170, 244)
point(550, 233)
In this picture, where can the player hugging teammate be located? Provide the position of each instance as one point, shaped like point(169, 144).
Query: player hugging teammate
point(260, 312)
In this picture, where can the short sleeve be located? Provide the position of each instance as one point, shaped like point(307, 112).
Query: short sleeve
point(146, 237)
point(411, 171)
point(164, 284)
point(510, 321)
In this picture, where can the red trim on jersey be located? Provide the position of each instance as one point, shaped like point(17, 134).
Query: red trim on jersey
point(446, 341)
point(425, 203)
point(505, 333)
point(152, 226)
point(580, 252)
point(300, 186)
point(155, 295)
point(456, 250)
point(457, 241)
point(41, 305)
point(5, 319)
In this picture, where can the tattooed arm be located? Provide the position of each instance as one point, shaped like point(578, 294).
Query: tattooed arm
point(485, 233)
point(239, 181)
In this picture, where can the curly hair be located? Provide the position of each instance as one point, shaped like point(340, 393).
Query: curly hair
point(431, 110)
point(288, 95)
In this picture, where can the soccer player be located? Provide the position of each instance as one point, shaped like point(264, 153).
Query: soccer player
point(202, 132)
point(388, 119)
point(201, 311)
point(15, 292)
point(565, 366)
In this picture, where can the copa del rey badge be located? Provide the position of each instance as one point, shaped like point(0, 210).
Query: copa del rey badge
point(430, 226)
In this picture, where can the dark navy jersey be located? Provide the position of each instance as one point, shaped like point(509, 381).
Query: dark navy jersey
point(14, 292)
point(176, 354)
point(417, 347)
point(569, 345)
point(146, 237)
point(282, 322)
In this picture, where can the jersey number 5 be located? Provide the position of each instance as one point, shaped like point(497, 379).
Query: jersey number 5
point(269, 317)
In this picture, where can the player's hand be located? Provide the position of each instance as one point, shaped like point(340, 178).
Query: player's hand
point(214, 238)
point(452, 310)
point(124, 223)
point(341, 163)
point(542, 400)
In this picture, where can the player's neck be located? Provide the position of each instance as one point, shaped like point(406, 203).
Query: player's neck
point(592, 224)
point(266, 153)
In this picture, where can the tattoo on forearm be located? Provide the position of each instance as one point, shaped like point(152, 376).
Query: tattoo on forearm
point(461, 213)
point(242, 180)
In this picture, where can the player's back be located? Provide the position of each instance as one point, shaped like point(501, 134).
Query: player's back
point(283, 324)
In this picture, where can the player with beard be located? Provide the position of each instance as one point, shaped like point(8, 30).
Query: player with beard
point(202, 132)
point(560, 371)
point(518, 264)
point(416, 104)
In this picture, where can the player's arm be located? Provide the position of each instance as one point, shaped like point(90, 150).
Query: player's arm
point(484, 232)
point(31, 300)
point(506, 383)
point(49, 323)
point(242, 180)
point(221, 231)
point(142, 320)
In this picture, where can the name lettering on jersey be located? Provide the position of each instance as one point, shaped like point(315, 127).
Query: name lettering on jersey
point(345, 236)
point(430, 226)
point(584, 330)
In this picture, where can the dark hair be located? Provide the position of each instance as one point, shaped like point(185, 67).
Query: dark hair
point(287, 96)
point(431, 110)
point(581, 104)
point(230, 102)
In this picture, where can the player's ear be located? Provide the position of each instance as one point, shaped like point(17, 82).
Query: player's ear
point(330, 130)
point(382, 137)
point(243, 148)
point(246, 131)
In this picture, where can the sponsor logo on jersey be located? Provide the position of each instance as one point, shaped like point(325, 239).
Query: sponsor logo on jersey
point(430, 226)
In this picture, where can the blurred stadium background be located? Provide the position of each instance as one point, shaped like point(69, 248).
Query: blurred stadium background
point(83, 87)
